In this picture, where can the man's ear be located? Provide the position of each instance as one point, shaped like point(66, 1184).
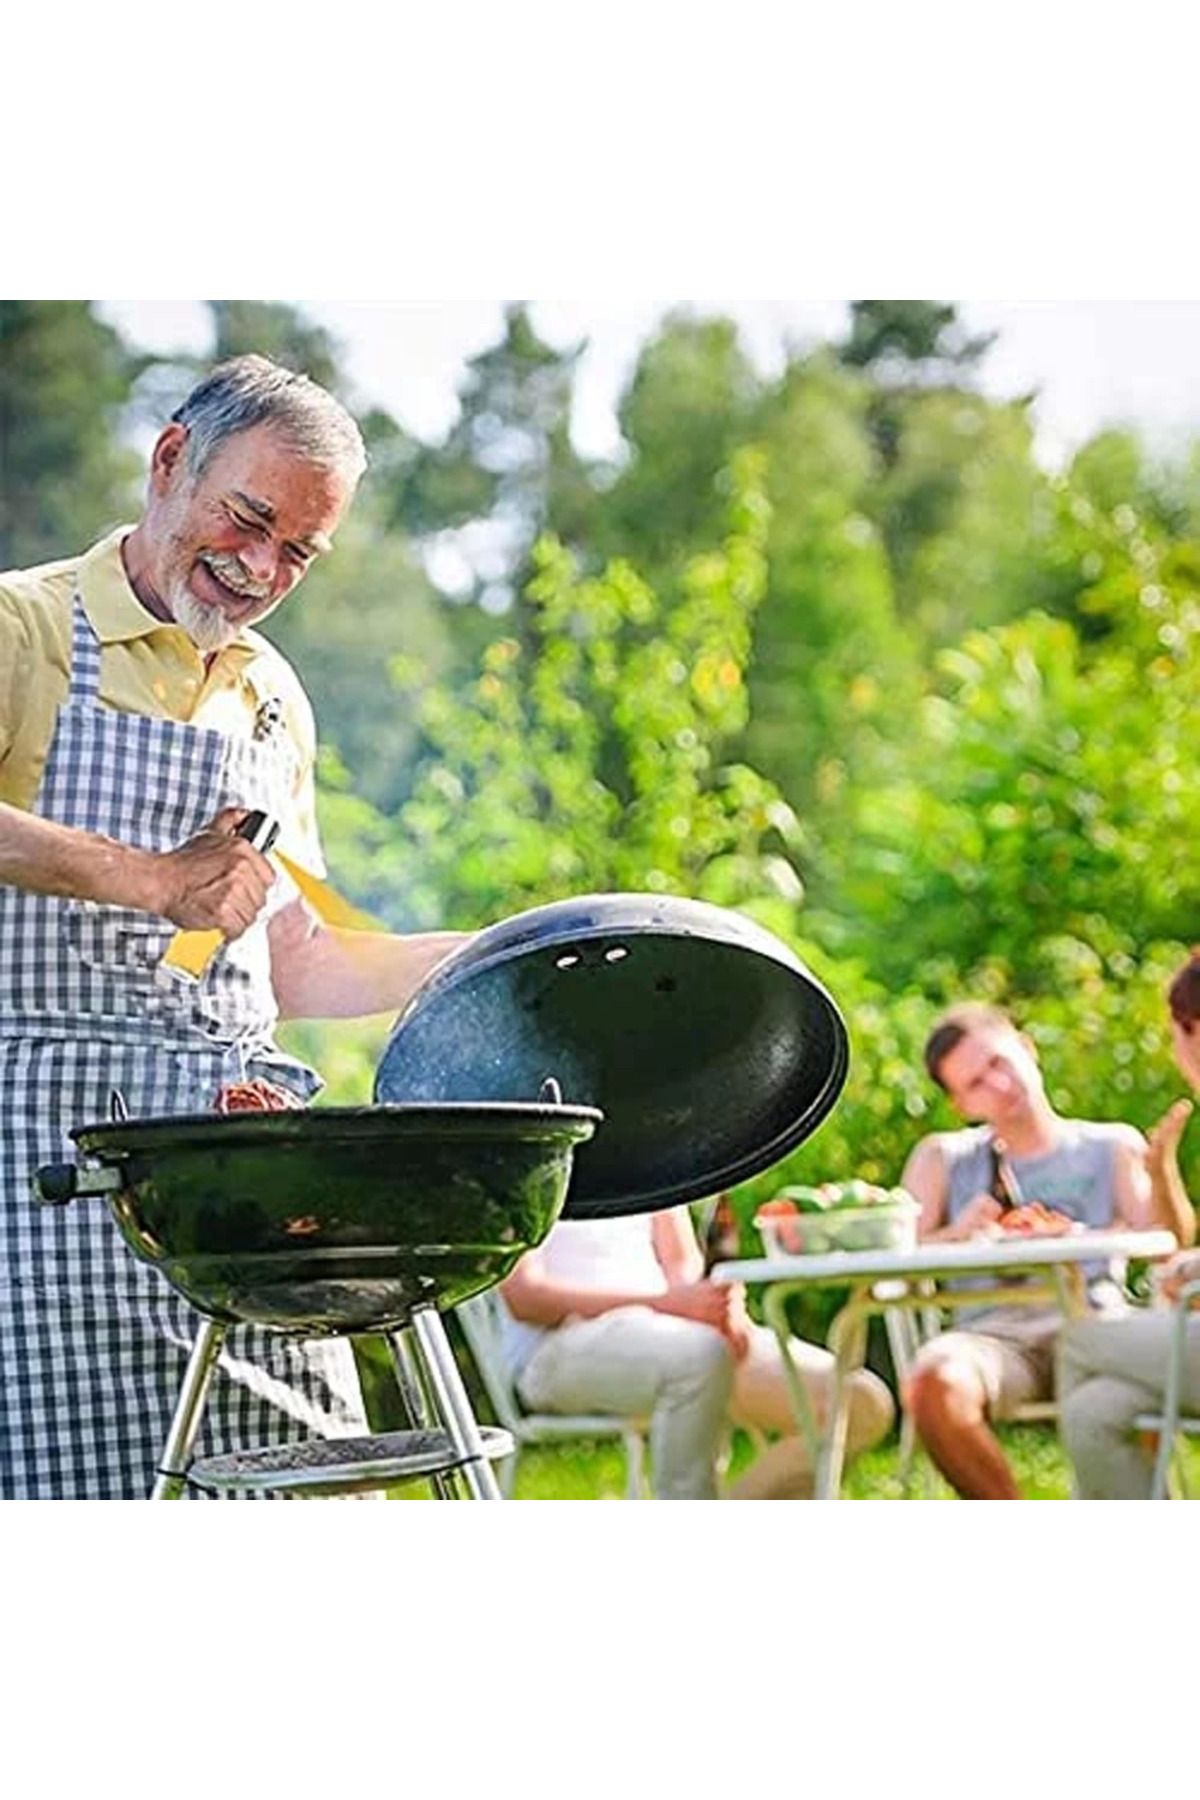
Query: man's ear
point(168, 459)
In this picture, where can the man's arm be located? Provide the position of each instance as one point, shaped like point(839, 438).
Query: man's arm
point(323, 973)
point(1133, 1196)
point(214, 881)
point(1169, 1206)
point(535, 1297)
point(674, 1238)
point(926, 1180)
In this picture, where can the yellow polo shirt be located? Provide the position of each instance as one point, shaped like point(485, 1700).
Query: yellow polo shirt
point(146, 666)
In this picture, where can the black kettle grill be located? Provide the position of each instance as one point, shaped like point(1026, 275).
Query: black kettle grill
point(691, 1042)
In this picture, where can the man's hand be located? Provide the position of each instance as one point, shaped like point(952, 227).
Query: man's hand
point(1176, 1274)
point(215, 881)
point(703, 1301)
point(737, 1327)
point(722, 1307)
point(981, 1211)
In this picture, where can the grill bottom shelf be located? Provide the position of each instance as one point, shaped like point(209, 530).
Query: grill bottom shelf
point(340, 1465)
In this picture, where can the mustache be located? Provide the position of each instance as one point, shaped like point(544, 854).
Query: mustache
point(229, 570)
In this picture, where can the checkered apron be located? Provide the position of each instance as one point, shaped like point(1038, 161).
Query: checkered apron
point(94, 1343)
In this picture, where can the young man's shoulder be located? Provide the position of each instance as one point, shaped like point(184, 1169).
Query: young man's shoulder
point(1115, 1133)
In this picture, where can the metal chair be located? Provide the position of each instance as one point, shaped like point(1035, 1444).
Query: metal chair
point(482, 1320)
point(1170, 1424)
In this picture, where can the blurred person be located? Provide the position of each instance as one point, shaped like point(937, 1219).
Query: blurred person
point(1109, 1371)
point(617, 1316)
point(141, 719)
point(997, 1358)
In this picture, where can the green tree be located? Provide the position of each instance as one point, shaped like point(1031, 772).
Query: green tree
point(507, 469)
point(65, 475)
point(834, 673)
point(693, 400)
point(597, 758)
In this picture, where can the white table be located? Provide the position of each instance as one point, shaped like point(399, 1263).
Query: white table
point(879, 1279)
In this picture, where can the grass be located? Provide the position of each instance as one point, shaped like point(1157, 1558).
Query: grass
point(596, 1471)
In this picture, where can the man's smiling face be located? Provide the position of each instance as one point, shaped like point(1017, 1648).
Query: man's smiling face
point(992, 1075)
point(232, 542)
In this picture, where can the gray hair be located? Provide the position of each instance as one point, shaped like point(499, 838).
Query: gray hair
point(252, 390)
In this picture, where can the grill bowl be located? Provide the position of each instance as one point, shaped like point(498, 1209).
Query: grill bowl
point(341, 1219)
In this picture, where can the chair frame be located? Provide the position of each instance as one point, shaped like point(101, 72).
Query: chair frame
point(1170, 1424)
point(481, 1319)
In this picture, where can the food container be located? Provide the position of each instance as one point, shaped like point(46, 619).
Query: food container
point(846, 1216)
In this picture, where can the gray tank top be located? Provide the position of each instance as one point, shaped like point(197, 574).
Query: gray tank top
point(1077, 1177)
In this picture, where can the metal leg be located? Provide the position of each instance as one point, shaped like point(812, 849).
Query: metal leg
point(415, 1400)
point(450, 1397)
point(635, 1459)
point(775, 1314)
point(172, 1470)
point(848, 1341)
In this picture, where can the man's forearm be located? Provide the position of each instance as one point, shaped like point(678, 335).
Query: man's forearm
point(320, 973)
point(1171, 1207)
point(45, 858)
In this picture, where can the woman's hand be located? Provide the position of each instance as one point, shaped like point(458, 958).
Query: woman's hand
point(1162, 1140)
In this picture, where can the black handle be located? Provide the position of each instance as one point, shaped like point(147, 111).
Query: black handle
point(259, 830)
point(54, 1184)
point(57, 1184)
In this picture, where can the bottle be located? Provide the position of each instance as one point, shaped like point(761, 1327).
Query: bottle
point(722, 1239)
point(1003, 1184)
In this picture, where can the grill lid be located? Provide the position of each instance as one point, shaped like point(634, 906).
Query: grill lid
point(711, 1050)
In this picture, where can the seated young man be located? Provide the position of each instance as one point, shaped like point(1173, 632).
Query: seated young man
point(997, 1358)
point(616, 1316)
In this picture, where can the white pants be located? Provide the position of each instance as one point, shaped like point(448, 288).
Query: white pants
point(1109, 1371)
point(681, 1375)
point(633, 1360)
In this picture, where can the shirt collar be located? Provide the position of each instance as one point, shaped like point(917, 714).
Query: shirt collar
point(114, 611)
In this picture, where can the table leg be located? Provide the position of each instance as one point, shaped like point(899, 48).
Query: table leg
point(1072, 1290)
point(775, 1314)
point(848, 1342)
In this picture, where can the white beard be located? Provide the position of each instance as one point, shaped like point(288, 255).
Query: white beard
point(207, 626)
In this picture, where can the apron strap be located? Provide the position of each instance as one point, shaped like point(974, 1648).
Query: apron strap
point(85, 658)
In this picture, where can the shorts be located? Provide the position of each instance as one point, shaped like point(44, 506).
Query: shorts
point(1010, 1349)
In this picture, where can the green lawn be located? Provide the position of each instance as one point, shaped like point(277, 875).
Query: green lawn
point(597, 1471)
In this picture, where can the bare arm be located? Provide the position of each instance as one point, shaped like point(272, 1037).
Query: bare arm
point(675, 1246)
point(1135, 1203)
point(1170, 1205)
point(215, 880)
point(925, 1178)
point(319, 973)
point(536, 1297)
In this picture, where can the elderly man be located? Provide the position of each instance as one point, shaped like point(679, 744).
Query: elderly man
point(140, 718)
point(1003, 1356)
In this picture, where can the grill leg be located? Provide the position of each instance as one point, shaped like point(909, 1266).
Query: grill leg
point(415, 1400)
point(452, 1402)
point(172, 1470)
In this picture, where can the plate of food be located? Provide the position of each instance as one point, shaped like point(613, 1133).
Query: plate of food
point(1033, 1219)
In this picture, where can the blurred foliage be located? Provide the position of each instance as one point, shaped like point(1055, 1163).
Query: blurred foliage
point(828, 644)
point(65, 478)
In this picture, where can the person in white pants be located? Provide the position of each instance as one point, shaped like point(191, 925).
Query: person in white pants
point(1109, 1371)
point(615, 1316)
